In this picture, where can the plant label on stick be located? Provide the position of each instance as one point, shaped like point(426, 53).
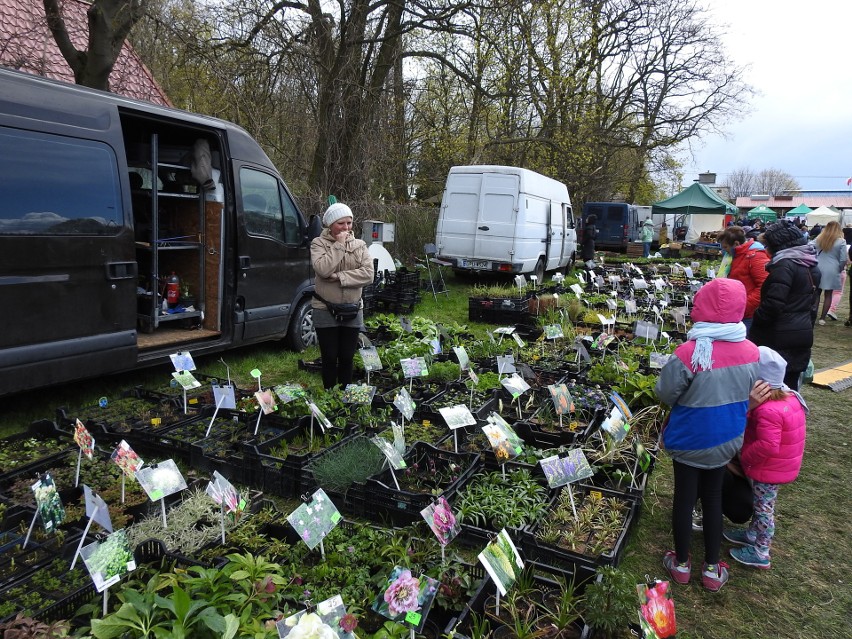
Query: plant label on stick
point(441, 520)
point(560, 471)
point(658, 360)
point(226, 496)
point(48, 504)
point(266, 401)
point(563, 403)
point(405, 323)
point(126, 458)
point(329, 621)
point(504, 441)
point(553, 331)
point(314, 519)
point(506, 364)
point(414, 367)
point(515, 385)
point(186, 380)
point(391, 453)
point(224, 396)
point(461, 354)
point(358, 394)
point(370, 358)
point(287, 393)
point(656, 610)
point(406, 598)
point(521, 343)
point(161, 480)
point(615, 425)
point(473, 376)
point(97, 509)
point(502, 562)
point(404, 403)
point(398, 437)
point(83, 438)
point(108, 560)
point(457, 416)
point(182, 361)
point(321, 418)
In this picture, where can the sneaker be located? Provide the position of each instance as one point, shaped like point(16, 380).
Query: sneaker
point(748, 555)
point(831, 315)
point(715, 578)
point(697, 519)
point(679, 572)
point(821, 322)
point(738, 536)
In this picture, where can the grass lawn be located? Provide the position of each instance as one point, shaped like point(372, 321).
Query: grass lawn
point(807, 592)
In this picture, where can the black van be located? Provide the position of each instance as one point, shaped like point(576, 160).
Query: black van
point(617, 224)
point(129, 231)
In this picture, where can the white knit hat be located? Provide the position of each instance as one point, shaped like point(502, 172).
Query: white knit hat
point(335, 212)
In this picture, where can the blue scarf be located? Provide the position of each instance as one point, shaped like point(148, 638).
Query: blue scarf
point(804, 255)
point(705, 333)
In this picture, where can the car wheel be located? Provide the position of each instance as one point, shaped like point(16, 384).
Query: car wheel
point(539, 271)
point(302, 332)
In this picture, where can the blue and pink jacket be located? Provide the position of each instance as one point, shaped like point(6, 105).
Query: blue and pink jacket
point(709, 407)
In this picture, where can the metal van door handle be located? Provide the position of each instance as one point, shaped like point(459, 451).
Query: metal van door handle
point(483, 228)
point(121, 270)
point(245, 262)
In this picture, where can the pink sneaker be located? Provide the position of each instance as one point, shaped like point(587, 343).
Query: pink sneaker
point(714, 579)
point(679, 572)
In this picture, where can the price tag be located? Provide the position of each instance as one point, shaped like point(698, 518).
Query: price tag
point(413, 618)
point(336, 517)
point(596, 494)
point(156, 421)
point(156, 495)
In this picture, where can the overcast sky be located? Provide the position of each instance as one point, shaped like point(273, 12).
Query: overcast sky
point(801, 120)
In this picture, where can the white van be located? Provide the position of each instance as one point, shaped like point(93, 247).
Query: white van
point(505, 219)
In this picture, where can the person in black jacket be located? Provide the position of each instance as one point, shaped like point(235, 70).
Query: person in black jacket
point(587, 249)
point(784, 320)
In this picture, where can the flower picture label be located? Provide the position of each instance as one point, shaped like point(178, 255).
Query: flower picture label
point(656, 610)
point(405, 594)
point(370, 358)
point(358, 393)
point(330, 620)
point(503, 439)
point(48, 503)
point(321, 418)
point(315, 519)
point(414, 367)
point(461, 354)
point(502, 561)
point(125, 458)
point(515, 385)
point(221, 491)
point(553, 331)
point(566, 470)
point(83, 438)
point(441, 520)
point(615, 425)
point(161, 480)
point(266, 401)
point(562, 401)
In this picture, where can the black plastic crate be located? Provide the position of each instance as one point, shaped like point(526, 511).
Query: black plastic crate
point(46, 430)
point(382, 499)
point(565, 559)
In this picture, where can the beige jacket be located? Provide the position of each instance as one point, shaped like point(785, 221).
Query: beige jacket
point(350, 260)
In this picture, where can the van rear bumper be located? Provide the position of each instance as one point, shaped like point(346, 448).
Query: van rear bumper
point(494, 266)
point(35, 365)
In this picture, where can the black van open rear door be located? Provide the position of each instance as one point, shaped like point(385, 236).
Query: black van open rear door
point(67, 269)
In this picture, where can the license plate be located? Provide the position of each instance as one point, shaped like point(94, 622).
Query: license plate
point(476, 263)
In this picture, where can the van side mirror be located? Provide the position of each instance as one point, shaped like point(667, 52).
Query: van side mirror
point(314, 227)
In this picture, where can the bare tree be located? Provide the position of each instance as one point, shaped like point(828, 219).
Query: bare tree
point(745, 182)
point(740, 183)
point(109, 23)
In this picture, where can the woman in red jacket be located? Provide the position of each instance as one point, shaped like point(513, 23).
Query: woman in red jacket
point(748, 265)
point(771, 455)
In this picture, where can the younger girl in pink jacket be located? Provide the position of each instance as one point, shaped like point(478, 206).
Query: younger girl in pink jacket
point(771, 455)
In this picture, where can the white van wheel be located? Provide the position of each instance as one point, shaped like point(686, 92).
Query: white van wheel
point(302, 332)
point(539, 270)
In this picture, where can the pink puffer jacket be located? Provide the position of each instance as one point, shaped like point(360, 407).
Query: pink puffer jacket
point(774, 441)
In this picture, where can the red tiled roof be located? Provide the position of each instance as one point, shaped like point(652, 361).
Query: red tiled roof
point(26, 44)
point(787, 202)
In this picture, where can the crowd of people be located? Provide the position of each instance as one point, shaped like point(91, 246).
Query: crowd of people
point(737, 417)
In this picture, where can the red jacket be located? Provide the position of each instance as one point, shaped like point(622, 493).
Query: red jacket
point(774, 441)
point(749, 267)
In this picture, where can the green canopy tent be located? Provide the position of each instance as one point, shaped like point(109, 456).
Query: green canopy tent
point(762, 213)
point(700, 207)
point(800, 211)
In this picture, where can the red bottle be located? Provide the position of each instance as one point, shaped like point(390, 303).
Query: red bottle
point(173, 290)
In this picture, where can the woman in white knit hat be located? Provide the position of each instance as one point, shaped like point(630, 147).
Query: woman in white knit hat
point(343, 266)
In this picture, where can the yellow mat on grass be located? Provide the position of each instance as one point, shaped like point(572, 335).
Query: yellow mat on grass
point(837, 378)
